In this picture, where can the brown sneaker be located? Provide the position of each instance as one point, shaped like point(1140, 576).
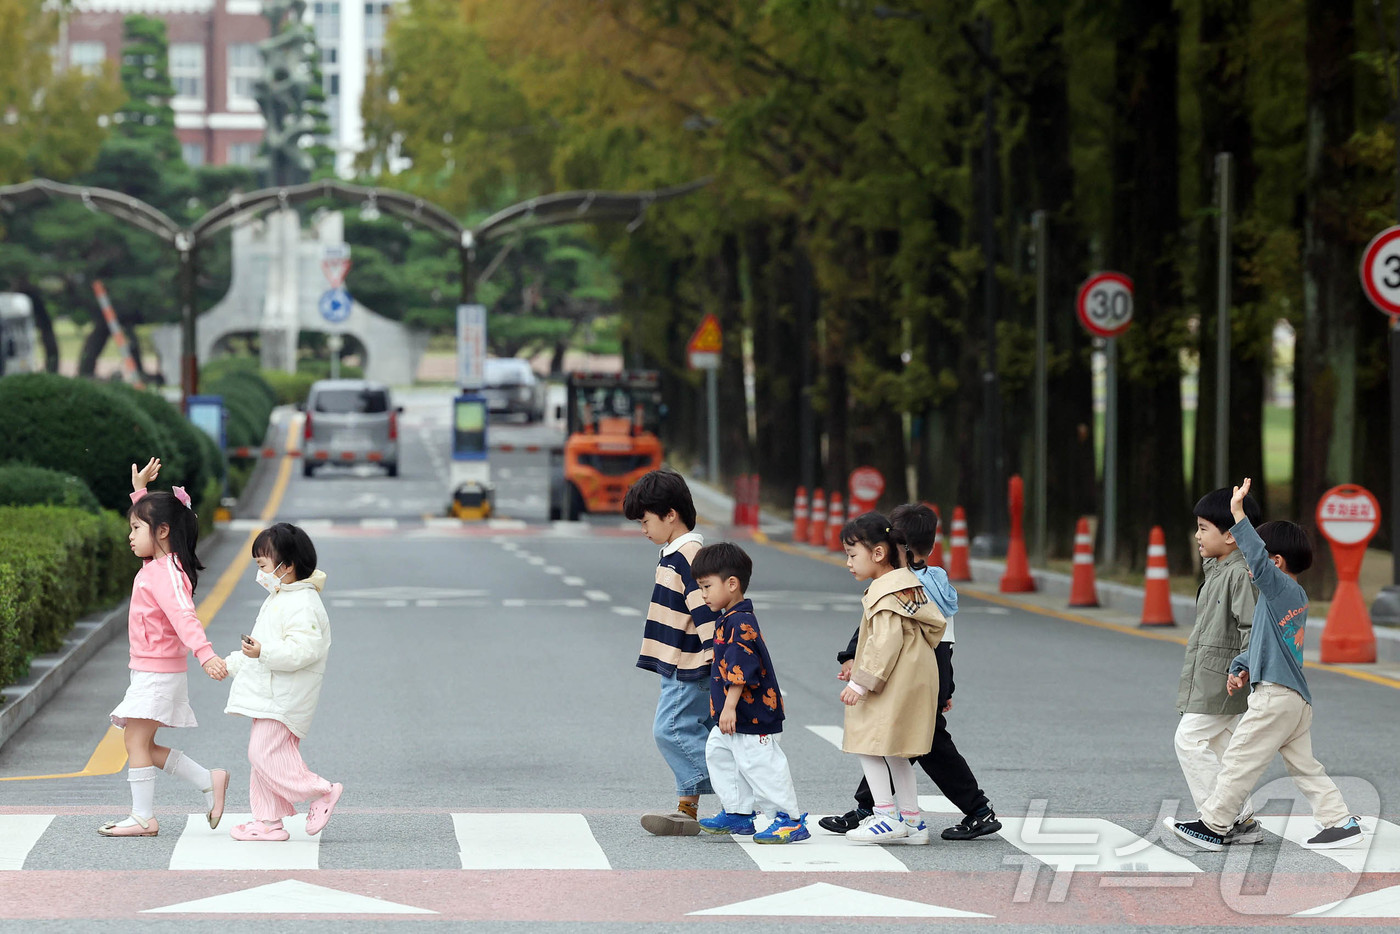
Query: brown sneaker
point(675, 824)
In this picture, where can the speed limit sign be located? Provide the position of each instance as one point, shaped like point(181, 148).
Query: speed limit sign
point(1105, 304)
point(1380, 271)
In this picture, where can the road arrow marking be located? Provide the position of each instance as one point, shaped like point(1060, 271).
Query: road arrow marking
point(290, 897)
point(824, 900)
point(18, 834)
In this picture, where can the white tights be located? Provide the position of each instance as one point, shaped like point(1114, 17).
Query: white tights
point(879, 771)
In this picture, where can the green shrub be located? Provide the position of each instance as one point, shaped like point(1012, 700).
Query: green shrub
point(23, 485)
point(182, 462)
point(317, 368)
point(215, 467)
point(248, 402)
point(291, 388)
point(77, 427)
point(56, 564)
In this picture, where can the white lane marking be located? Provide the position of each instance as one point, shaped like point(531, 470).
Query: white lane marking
point(536, 560)
point(1378, 850)
point(575, 581)
point(626, 611)
point(527, 841)
point(597, 596)
point(507, 524)
point(812, 607)
point(426, 603)
point(441, 523)
point(553, 571)
point(824, 852)
point(316, 525)
point(396, 603)
point(937, 804)
point(18, 834)
point(515, 603)
point(379, 523)
point(832, 734)
point(202, 848)
point(824, 900)
point(290, 897)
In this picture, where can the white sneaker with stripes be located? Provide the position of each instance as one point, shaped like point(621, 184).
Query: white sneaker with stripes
point(879, 828)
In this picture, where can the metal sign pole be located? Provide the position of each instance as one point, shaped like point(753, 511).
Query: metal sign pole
point(1110, 451)
point(712, 415)
point(1222, 329)
point(1040, 494)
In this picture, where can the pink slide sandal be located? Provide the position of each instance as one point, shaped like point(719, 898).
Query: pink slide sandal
point(259, 830)
point(320, 811)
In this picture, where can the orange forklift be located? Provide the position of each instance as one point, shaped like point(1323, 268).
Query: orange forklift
point(611, 423)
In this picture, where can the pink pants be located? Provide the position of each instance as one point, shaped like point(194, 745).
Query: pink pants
point(279, 778)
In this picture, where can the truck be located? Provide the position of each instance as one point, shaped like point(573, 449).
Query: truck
point(611, 424)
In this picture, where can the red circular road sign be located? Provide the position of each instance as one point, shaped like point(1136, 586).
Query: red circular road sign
point(1348, 515)
point(867, 484)
point(1380, 271)
point(1105, 304)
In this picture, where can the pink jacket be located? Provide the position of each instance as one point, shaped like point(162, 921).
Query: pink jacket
point(162, 624)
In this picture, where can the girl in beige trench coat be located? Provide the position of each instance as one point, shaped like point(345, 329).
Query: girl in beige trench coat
point(891, 698)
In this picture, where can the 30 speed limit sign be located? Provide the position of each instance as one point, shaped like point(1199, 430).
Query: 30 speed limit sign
point(1380, 271)
point(1105, 304)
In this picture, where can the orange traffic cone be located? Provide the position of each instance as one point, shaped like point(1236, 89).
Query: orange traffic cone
point(816, 534)
point(1083, 591)
point(800, 515)
point(1157, 594)
point(959, 568)
point(1017, 576)
point(836, 519)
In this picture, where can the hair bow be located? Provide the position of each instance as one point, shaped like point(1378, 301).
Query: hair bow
point(182, 496)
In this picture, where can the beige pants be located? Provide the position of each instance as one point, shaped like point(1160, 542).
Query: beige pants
point(1201, 741)
point(1278, 720)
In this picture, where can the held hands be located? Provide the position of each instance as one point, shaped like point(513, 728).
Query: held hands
point(948, 706)
point(1237, 499)
point(845, 673)
point(216, 668)
point(850, 696)
point(139, 478)
point(251, 647)
point(1235, 682)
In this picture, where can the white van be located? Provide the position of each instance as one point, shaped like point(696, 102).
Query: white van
point(513, 389)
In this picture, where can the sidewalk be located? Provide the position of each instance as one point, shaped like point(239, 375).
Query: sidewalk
point(1121, 605)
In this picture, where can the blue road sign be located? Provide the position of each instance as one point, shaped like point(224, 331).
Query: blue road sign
point(335, 305)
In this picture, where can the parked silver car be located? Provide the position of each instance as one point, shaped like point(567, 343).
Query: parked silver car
point(350, 421)
point(512, 388)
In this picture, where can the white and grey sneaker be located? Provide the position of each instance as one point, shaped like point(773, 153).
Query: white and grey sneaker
point(1332, 837)
point(1245, 831)
point(879, 828)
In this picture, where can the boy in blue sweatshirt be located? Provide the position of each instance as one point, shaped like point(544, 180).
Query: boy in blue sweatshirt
point(1279, 716)
point(943, 763)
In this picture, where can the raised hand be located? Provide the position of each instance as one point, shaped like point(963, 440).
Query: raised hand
point(139, 478)
point(1237, 499)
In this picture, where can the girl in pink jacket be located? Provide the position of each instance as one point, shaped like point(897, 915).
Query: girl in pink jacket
point(163, 627)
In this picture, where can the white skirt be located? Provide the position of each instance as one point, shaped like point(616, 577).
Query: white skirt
point(163, 696)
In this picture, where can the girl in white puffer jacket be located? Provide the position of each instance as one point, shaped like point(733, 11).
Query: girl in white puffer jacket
point(277, 682)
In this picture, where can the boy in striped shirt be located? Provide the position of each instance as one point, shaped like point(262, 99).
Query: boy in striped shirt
point(676, 644)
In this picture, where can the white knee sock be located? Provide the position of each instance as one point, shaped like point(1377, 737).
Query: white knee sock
point(143, 791)
point(877, 776)
point(906, 787)
point(182, 766)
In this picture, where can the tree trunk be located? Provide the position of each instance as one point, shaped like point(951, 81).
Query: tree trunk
point(1151, 481)
point(1324, 383)
point(44, 324)
point(1222, 89)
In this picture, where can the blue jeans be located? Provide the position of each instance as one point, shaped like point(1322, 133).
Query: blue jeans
point(681, 730)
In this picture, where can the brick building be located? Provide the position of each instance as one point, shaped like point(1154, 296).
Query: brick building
point(214, 61)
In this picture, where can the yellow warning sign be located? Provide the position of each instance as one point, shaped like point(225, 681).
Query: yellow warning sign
point(708, 338)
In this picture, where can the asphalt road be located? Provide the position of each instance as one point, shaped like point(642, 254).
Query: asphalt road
point(483, 710)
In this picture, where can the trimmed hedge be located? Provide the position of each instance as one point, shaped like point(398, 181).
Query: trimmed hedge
point(56, 564)
point(23, 485)
point(78, 427)
point(248, 399)
point(183, 461)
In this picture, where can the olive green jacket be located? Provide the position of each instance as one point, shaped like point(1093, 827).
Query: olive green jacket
point(1224, 612)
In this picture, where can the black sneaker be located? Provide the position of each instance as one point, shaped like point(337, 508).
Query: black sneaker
point(1197, 833)
point(1345, 835)
point(973, 826)
point(1244, 831)
point(848, 821)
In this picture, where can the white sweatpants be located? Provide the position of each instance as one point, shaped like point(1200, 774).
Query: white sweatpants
point(1201, 741)
point(750, 773)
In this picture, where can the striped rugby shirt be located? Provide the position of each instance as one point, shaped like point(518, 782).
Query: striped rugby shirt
point(680, 628)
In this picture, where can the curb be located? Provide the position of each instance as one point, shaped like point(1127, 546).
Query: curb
point(48, 673)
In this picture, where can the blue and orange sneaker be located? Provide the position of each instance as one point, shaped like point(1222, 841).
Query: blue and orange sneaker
point(724, 822)
point(784, 830)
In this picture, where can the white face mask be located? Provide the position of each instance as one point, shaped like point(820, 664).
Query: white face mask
point(268, 580)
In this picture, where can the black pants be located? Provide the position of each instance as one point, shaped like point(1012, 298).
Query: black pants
point(943, 763)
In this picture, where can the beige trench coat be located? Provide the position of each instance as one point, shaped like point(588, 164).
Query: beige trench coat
point(899, 627)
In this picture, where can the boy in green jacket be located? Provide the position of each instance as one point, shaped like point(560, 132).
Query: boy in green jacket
point(1224, 612)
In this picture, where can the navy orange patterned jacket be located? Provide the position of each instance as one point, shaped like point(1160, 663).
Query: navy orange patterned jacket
point(741, 657)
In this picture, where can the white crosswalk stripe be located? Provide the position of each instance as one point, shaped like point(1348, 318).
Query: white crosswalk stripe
point(18, 834)
point(202, 848)
point(527, 841)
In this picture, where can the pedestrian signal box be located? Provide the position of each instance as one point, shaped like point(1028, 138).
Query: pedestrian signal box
point(469, 428)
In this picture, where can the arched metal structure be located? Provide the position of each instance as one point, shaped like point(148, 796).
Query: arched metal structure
point(547, 210)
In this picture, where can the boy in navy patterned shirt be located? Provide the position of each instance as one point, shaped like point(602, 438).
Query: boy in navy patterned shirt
point(747, 767)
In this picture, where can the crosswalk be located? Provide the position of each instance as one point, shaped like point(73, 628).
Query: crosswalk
point(606, 841)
